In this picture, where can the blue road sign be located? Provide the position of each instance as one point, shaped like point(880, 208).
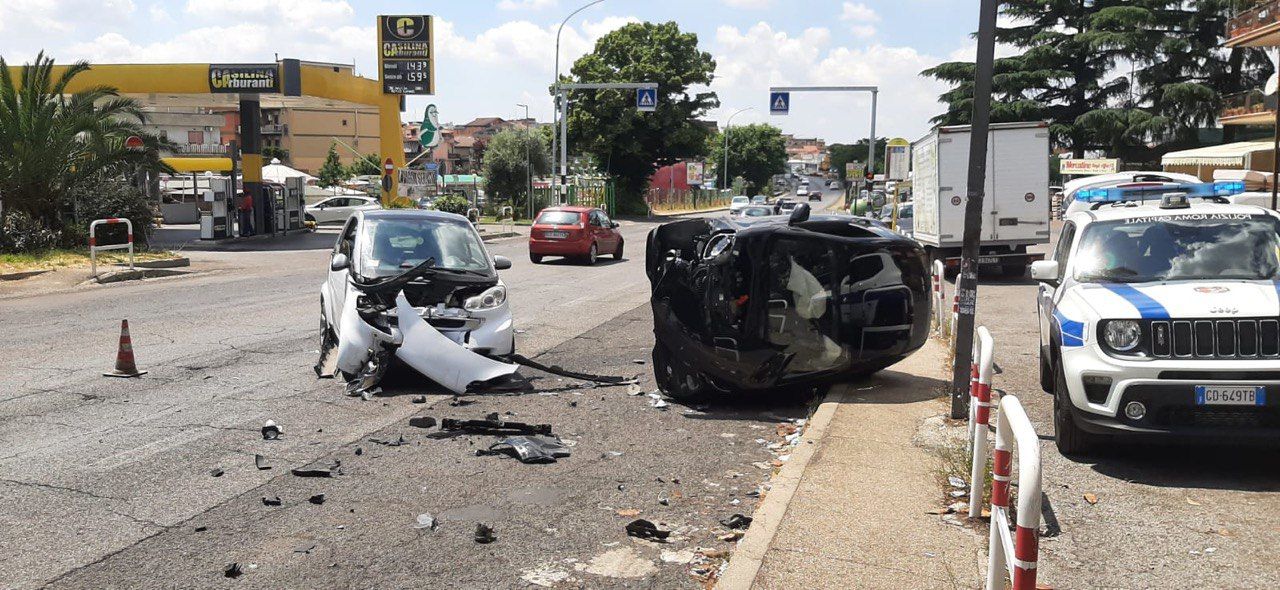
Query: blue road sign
point(779, 103)
point(646, 100)
point(432, 166)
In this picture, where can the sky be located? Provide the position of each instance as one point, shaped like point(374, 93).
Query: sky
point(493, 54)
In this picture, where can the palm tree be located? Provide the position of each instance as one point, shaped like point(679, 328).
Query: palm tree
point(52, 140)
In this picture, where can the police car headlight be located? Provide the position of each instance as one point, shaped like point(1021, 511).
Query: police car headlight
point(1122, 335)
point(491, 298)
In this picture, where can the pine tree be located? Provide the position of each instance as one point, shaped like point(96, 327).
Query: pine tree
point(332, 171)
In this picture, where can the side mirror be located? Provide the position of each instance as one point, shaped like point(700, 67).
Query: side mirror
point(501, 262)
point(613, 224)
point(1045, 271)
point(799, 214)
point(339, 262)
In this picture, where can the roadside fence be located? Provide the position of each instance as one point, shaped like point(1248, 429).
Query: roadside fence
point(1016, 553)
point(979, 415)
point(94, 248)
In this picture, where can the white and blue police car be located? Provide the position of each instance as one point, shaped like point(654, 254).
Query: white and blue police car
point(1160, 316)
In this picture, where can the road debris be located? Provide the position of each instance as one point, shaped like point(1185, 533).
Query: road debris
point(529, 449)
point(731, 536)
point(426, 521)
point(562, 372)
point(635, 389)
point(272, 501)
point(260, 462)
point(422, 422)
point(316, 471)
point(484, 534)
point(737, 521)
point(956, 482)
point(493, 424)
point(216, 472)
point(643, 529)
point(232, 570)
point(457, 401)
point(629, 512)
point(317, 499)
point(422, 399)
point(1091, 498)
point(387, 442)
point(681, 557)
point(655, 400)
point(271, 431)
point(304, 549)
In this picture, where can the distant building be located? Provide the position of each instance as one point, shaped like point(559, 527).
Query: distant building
point(194, 131)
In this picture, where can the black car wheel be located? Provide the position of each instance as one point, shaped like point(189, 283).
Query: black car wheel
point(673, 380)
point(617, 254)
point(1071, 439)
point(535, 258)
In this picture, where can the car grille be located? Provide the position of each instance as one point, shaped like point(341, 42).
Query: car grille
point(1216, 338)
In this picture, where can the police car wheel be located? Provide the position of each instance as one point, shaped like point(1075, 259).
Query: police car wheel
point(1071, 440)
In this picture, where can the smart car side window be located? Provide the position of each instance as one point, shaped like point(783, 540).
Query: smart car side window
point(347, 241)
point(1063, 251)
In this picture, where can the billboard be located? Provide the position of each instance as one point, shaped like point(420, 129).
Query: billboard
point(406, 61)
point(247, 78)
point(854, 170)
point(897, 159)
point(693, 172)
point(1089, 167)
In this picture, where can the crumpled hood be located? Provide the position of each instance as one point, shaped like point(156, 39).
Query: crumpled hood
point(1181, 299)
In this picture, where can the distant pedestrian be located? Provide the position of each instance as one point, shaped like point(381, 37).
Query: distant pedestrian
point(245, 206)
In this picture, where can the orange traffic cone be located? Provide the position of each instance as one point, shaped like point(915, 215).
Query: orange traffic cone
point(125, 366)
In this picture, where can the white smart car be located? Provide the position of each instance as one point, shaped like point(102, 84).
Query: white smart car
point(1162, 318)
point(420, 285)
point(738, 203)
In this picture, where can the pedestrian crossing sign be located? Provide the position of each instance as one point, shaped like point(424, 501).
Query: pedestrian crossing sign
point(779, 103)
point(646, 100)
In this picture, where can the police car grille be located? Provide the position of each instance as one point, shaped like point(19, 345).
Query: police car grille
point(1215, 338)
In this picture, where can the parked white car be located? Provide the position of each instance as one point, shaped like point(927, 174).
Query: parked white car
point(1162, 320)
point(419, 285)
point(737, 203)
point(338, 209)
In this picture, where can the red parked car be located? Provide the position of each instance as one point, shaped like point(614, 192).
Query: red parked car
point(584, 233)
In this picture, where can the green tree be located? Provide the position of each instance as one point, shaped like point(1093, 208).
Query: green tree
point(332, 171)
point(367, 165)
point(628, 144)
point(509, 157)
point(843, 153)
point(756, 153)
point(53, 141)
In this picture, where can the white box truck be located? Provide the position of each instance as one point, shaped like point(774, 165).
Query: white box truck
point(1015, 209)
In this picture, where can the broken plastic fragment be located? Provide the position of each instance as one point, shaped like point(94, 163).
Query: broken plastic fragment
point(273, 501)
point(316, 499)
point(436, 356)
point(484, 534)
point(232, 570)
point(493, 424)
point(260, 462)
point(312, 472)
point(426, 521)
point(737, 521)
point(270, 431)
point(422, 399)
point(530, 449)
point(643, 529)
point(422, 422)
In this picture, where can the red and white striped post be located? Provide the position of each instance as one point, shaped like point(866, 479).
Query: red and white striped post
point(938, 296)
point(94, 248)
point(1016, 554)
point(980, 415)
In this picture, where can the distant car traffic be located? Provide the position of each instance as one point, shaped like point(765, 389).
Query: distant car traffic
point(803, 191)
point(737, 203)
point(784, 206)
point(759, 200)
point(338, 209)
point(756, 211)
point(581, 233)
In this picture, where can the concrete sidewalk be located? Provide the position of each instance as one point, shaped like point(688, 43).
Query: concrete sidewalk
point(851, 508)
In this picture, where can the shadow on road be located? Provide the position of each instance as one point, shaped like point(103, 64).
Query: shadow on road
point(187, 238)
point(1255, 469)
point(602, 261)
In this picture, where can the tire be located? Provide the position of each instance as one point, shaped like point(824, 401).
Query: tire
point(1071, 440)
point(617, 253)
point(592, 255)
point(1046, 370)
point(535, 258)
point(673, 380)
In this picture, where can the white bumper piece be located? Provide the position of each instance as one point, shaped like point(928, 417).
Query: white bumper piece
point(440, 358)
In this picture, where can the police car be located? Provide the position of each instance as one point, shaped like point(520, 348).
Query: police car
point(1161, 316)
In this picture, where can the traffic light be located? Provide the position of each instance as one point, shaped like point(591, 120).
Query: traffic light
point(870, 176)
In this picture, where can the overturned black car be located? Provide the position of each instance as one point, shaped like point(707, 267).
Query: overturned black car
point(743, 304)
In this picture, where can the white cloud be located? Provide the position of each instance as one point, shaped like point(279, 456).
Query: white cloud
point(861, 17)
point(297, 13)
point(749, 4)
point(159, 14)
point(524, 43)
point(526, 4)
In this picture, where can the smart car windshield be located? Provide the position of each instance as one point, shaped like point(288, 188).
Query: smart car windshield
point(386, 247)
point(1180, 247)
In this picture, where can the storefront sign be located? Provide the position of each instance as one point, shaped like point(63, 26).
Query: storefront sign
point(405, 56)
point(1089, 167)
point(247, 78)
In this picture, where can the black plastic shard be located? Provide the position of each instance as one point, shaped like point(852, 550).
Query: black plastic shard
point(737, 521)
point(232, 570)
point(312, 472)
point(273, 501)
point(422, 422)
point(484, 534)
point(260, 462)
point(643, 529)
point(270, 431)
point(316, 499)
point(530, 449)
point(493, 424)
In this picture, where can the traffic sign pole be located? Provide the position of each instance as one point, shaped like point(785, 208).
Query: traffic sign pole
point(785, 92)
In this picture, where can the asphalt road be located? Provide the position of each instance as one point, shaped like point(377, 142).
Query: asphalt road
point(105, 480)
point(1165, 517)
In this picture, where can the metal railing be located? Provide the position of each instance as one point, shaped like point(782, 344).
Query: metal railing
point(1248, 102)
point(980, 415)
point(1015, 553)
point(94, 248)
point(1255, 17)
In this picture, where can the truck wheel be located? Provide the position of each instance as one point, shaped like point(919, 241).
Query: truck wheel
point(1070, 438)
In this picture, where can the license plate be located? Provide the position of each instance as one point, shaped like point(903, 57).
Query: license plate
point(556, 235)
point(988, 260)
point(1231, 395)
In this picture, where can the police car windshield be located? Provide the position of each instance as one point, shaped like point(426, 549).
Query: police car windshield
point(387, 247)
point(1180, 247)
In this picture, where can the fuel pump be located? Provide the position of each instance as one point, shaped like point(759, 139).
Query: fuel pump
point(215, 224)
point(293, 201)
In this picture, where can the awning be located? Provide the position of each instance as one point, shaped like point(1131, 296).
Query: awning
point(1229, 154)
point(189, 165)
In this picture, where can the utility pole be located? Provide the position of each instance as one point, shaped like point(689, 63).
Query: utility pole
point(725, 186)
point(556, 112)
point(967, 280)
point(528, 162)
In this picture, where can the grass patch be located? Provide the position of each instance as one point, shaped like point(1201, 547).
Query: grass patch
point(65, 258)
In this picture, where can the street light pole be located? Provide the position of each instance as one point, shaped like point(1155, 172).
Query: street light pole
point(556, 110)
point(726, 145)
point(528, 162)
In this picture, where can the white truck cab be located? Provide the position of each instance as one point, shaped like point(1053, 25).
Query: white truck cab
point(1162, 318)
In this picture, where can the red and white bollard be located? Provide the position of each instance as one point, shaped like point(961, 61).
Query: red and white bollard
point(979, 414)
point(1014, 432)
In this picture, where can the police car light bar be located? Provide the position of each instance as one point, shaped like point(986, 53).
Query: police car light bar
point(1119, 194)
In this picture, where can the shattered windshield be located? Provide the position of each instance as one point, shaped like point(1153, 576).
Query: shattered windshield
point(1180, 247)
point(387, 247)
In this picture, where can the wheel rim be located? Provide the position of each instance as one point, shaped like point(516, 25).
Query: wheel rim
point(592, 255)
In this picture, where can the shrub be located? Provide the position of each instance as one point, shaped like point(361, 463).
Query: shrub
point(109, 197)
point(453, 204)
point(23, 233)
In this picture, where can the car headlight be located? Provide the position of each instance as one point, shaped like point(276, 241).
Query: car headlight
point(1122, 335)
point(491, 298)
